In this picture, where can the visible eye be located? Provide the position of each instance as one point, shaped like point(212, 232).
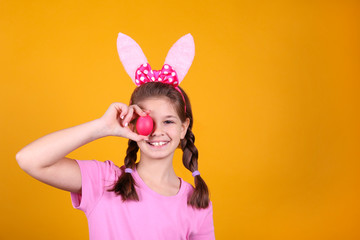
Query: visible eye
point(168, 122)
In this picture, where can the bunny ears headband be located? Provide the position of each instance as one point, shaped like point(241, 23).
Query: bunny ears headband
point(177, 62)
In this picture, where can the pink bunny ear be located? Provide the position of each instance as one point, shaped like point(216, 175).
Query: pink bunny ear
point(181, 55)
point(130, 54)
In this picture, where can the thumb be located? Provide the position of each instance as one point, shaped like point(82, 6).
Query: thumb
point(136, 137)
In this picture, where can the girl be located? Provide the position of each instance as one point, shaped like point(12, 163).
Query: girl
point(143, 200)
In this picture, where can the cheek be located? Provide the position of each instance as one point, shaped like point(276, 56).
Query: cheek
point(173, 131)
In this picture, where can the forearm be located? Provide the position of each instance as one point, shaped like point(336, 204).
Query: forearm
point(49, 149)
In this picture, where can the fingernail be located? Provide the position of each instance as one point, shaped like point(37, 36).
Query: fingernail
point(126, 124)
point(122, 117)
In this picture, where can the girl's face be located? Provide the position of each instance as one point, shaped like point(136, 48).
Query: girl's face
point(168, 129)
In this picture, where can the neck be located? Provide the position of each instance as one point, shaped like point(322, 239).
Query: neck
point(156, 170)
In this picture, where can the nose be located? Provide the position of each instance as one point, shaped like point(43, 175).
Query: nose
point(157, 130)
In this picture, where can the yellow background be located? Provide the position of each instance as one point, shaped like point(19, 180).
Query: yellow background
point(275, 93)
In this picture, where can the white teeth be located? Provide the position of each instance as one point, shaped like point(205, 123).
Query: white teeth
point(158, 143)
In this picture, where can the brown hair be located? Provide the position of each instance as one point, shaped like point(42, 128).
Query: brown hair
point(125, 184)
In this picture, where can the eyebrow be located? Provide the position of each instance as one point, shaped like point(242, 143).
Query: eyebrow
point(170, 116)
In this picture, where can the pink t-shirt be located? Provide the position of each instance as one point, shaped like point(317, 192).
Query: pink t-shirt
point(154, 217)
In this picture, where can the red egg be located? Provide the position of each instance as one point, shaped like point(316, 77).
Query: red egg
point(144, 125)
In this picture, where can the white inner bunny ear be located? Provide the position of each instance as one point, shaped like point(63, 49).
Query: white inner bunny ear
point(181, 55)
point(130, 54)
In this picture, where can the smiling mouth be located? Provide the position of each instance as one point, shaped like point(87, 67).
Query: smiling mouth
point(158, 144)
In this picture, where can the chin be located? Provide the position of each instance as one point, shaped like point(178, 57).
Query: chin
point(155, 156)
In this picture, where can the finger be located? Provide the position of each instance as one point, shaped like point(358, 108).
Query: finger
point(136, 110)
point(122, 109)
point(128, 116)
point(139, 111)
point(136, 137)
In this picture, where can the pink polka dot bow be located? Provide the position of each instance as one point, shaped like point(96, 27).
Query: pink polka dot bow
point(145, 74)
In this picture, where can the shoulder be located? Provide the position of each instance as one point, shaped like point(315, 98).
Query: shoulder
point(189, 189)
point(95, 167)
point(202, 219)
point(97, 164)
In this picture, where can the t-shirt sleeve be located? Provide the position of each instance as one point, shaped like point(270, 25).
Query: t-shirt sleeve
point(94, 181)
point(206, 228)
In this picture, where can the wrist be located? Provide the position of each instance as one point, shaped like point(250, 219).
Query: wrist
point(100, 129)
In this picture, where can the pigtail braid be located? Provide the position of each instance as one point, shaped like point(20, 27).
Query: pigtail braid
point(125, 186)
point(200, 196)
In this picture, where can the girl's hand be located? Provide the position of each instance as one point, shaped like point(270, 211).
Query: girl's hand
point(117, 118)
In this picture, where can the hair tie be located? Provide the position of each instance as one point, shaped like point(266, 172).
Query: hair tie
point(195, 173)
point(128, 170)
